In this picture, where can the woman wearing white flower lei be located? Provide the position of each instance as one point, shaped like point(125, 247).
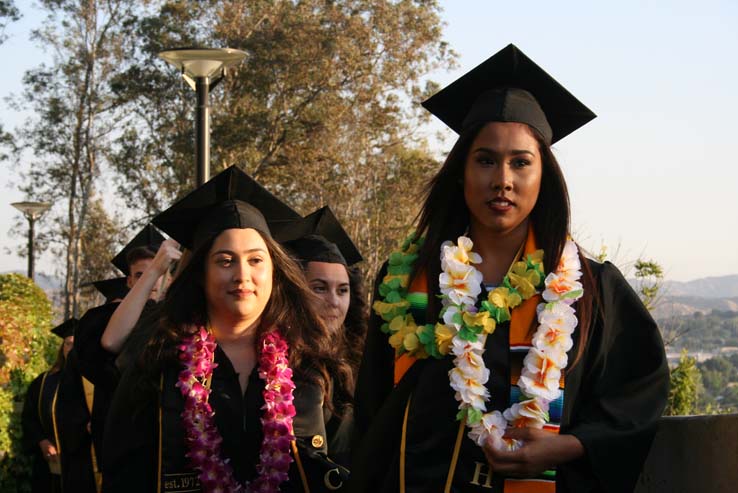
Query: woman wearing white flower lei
point(514, 319)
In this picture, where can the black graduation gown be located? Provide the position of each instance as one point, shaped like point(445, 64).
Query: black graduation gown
point(102, 367)
point(132, 433)
point(37, 425)
point(98, 366)
point(73, 419)
point(63, 393)
point(612, 400)
point(339, 431)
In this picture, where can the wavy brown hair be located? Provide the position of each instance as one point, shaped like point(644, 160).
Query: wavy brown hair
point(352, 347)
point(352, 337)
point(357, 318)
point(445, 216)
point(313, 356)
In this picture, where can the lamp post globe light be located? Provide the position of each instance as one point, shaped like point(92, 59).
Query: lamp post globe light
point(203, 69)
point(32, 211)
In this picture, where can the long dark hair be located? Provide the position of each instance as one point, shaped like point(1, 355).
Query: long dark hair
point(357, 318)
point(312, 354)
point(351, 337)
point(354, 333)
point(445, 216)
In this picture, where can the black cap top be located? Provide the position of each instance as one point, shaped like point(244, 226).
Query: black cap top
point(231, 199)
point(510, 87)
point(112, 289)
point(147, 237)
point(66, 328)
point(319, 237)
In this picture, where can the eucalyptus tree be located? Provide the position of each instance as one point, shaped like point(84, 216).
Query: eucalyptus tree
point(8, 13)
point(74, 118)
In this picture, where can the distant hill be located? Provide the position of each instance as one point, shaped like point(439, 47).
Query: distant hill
point(700, 295)
point(674, 306)
point(706, 287)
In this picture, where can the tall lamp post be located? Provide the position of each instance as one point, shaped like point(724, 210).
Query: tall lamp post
point(32, 211)
point(203, 69)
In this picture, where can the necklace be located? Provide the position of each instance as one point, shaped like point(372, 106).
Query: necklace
point(197, 354)
point(469, 327)
point(463, 328)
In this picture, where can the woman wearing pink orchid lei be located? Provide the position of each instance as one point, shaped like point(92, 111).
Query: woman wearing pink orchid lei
point(502, 358)
point(227, 395)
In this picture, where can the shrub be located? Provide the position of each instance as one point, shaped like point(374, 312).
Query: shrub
point(27, 348)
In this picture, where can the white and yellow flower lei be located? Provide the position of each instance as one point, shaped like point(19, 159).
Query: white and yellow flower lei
point(539, 380)
point(463, 329)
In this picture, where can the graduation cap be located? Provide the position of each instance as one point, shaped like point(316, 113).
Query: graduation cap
point(112, 289)
point(510, 87)
point(66, 328)
point(231, 199)
point(319, 237)
point(148, 237)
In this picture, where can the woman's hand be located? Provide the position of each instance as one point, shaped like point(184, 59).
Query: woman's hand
point(168, 252)
point(128, 312)
point(541, 450)
point(47, 449)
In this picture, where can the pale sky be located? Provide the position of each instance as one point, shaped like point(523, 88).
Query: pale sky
point(654, 174)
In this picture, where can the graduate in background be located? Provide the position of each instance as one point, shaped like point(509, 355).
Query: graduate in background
point(499, 358)
point(208, 404)
point(328, 257)
point(56, 422)
point(145, 290)
point(96, 363)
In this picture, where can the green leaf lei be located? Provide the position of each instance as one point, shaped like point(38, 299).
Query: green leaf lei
point(525, 279)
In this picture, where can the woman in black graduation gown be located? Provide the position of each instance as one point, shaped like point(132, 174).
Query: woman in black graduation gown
point(498, 395)
point(55, 423)
point(97, 363)
point(180, 423)
point(329, 257)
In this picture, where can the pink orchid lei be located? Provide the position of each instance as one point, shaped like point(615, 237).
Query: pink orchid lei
point(197, 354)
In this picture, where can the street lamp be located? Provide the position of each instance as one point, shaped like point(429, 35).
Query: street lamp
point(203, 69)
point(32, 211)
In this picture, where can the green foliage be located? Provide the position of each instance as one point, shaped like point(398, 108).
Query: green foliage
point(650, 276)
point(700, 332)
point(323, 110)
point(8, 13)
point(602, 255)
point(720, 381)
point(27, 349)
point(22, 293)
point(685, 387)
point(72, 119)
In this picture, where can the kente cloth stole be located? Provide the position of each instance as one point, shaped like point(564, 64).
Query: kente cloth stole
point(523, 323)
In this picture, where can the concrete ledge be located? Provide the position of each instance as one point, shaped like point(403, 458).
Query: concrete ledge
point(693, 454)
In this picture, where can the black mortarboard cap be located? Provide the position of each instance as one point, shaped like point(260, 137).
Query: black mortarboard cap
point(319, 237)
point(510, 87)
point(231, 199)
point(112, 289)
point(66, 328)
point(148, 237)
